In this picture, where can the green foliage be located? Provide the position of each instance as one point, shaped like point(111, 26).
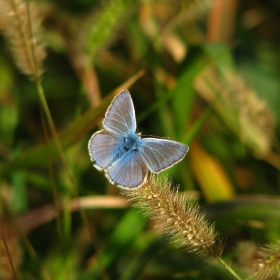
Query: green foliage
point(216, 92)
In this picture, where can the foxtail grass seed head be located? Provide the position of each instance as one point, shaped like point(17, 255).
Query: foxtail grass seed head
point(238, 94)
point(176, 216)
point(187, 12)
point(22, 30)
point(268, 265)
point(101, 33)
point(247, 254)
point(251, 106)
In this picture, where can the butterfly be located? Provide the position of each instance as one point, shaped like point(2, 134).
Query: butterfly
point(122, 154)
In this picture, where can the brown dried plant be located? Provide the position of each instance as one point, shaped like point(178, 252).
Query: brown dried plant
point(21, 23)
point(10, 250)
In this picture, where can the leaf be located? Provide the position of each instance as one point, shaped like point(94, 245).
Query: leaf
point(210, 174)
point(243, 210)
point(184, 93)
point(118, 243)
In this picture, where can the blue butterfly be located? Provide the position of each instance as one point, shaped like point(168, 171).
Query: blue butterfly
point(124, 156)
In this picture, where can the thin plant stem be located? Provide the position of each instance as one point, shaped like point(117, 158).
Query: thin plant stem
point(37, 78)
point(8, 253)
point(51, 125)
point(33, 253)
point(226, 266)
point(62, 156)
point(51, 172)
point(29, 40)
point(233, 273)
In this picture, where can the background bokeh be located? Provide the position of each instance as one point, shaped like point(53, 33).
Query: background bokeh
point(202, 72)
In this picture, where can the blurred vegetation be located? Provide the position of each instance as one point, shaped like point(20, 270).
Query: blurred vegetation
point(202, 72)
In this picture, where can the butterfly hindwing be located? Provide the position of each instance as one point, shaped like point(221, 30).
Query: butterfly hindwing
point(129, 172)
point(160, 154)
point(103, 146)
point(120, 116)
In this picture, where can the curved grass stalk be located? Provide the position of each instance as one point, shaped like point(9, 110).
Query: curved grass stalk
point(179, 218)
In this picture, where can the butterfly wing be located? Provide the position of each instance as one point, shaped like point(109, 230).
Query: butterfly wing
point(120, 116)
point(103, 146)
point(129, 172)
point(160, 154)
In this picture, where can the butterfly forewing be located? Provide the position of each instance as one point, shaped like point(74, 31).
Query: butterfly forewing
point(120, 116)
point(160, 154)
point(130, 171)
point(103, 146)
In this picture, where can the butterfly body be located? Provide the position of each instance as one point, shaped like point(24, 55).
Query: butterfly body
point(122, 154)
point(129, 144)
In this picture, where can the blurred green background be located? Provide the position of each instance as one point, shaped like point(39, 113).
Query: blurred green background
point(202, 72)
